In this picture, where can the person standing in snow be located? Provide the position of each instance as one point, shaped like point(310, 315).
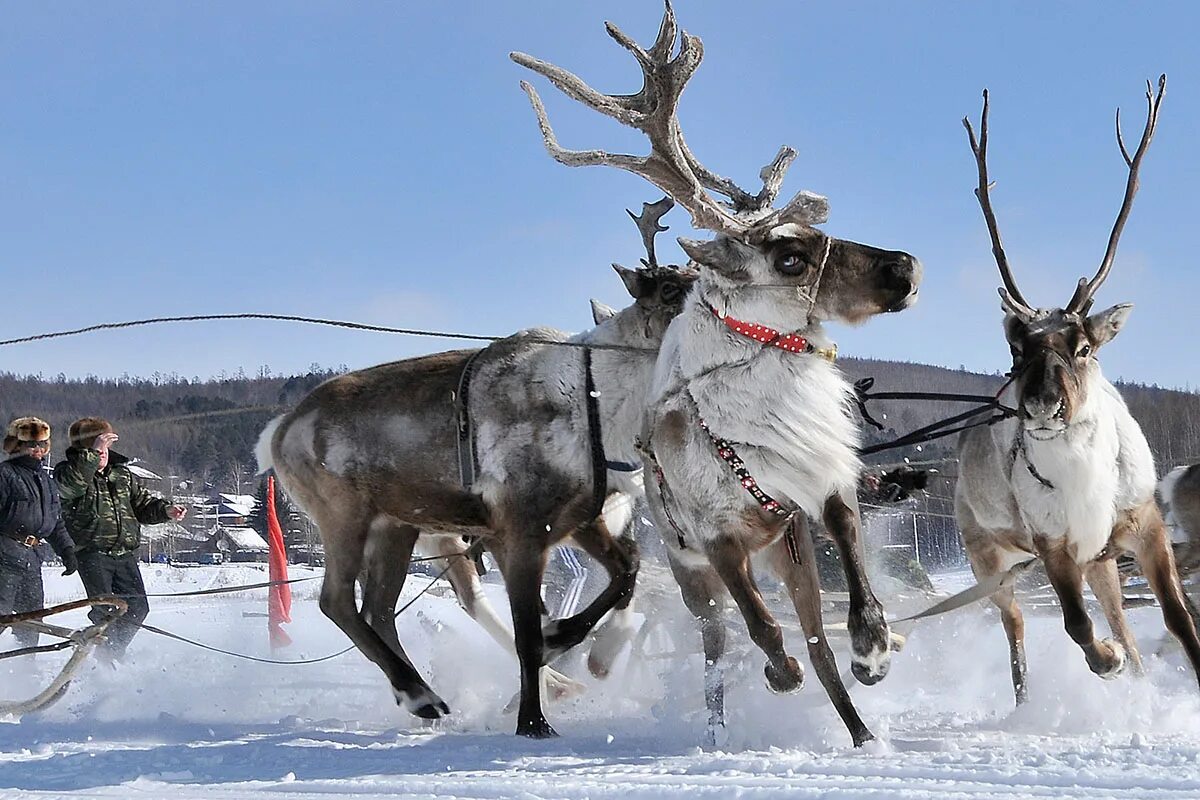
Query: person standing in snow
point(30, 513)
point(104, 508)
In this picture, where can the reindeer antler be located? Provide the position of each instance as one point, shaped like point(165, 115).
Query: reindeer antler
point(1011, 296)
point(671, 165)
point(1081, 300)
point(647, 223)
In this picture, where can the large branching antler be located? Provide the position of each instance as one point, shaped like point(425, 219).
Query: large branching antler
point(671, 166)
point(1014, 301)
point(1081, 300)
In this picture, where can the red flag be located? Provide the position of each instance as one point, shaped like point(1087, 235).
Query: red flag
point(279, 596)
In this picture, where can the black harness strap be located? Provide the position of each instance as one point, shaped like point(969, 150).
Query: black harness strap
point(595, 438)
point(1018, 450)
point(468, 461)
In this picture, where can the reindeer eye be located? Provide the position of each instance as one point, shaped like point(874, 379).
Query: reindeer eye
point(1084, 351)
point(791, 263)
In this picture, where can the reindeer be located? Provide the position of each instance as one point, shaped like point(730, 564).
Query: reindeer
point(374, 456)
point(1180, 492)
point(1070, 480)
point(750, 425)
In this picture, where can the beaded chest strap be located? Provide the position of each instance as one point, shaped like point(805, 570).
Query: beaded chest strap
point(729, 456)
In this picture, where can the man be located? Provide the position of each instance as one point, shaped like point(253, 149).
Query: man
point(29, 514)
point(104, 509)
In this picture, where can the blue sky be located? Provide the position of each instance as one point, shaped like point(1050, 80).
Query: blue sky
point(377, 162)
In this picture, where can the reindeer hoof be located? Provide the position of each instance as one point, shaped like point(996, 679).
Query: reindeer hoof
point(861, 736)
point(557, 687)
point(423, 703)
point(1111, 661)
point(870, 646)
point(787, 680)
point(536, 729)
point(868, 674)
point(610, 640)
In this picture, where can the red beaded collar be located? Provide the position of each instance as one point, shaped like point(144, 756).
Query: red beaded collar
point(791, 342)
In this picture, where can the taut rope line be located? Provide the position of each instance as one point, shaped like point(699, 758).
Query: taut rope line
point(358, 326)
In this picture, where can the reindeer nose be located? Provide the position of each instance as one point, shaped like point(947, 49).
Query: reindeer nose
point(1044, 409)
point(900, 274)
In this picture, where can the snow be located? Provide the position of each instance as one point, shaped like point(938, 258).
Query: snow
point(179, 722)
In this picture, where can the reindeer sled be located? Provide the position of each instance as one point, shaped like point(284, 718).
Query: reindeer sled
point(81, 639)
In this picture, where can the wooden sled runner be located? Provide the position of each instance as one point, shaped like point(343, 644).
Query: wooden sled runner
point(81, 639)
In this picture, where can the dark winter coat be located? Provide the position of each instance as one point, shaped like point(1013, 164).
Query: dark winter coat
point(29, 503)
point(104, 509)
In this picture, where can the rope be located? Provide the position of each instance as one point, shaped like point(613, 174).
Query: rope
point(358, 326)
point(319, 659)
point(935, 430)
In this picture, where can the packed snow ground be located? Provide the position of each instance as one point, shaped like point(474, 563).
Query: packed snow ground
point(180, 722)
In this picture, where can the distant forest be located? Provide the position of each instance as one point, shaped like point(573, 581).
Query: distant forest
point(205, 430)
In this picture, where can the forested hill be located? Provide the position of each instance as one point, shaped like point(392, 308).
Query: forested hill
point(206, 430)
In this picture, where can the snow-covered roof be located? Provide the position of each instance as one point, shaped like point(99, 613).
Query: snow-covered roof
point(143, 473)
point(240, 504)
point(246, 538)
point(172, 529)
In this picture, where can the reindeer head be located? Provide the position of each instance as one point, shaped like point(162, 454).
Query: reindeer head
point(774, 261)
point(658, 291)
point(1054, 349)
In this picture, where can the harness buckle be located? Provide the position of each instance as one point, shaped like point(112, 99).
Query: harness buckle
point(30, 541)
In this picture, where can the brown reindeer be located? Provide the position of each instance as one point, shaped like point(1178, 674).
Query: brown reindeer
point(1070, 480)
point(378, 458)
point(750, 423)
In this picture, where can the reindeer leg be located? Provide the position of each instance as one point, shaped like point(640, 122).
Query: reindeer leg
point(345, 540)
point(611, 637)
point(1014, 629)
point(1154, 555)
point(804, 585)
point(1105, 657)
point(986, 562)
point(388, 551)
point(620, 558)
point(460, 571)
point(1105, 583)
point(523, 564)
point(705, 598)
point(870, 638)
point(732, 562)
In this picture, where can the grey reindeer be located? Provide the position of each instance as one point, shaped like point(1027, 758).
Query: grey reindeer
point(374, 457)
point(1180, 493)
point(1070, 479)
point(750, 425)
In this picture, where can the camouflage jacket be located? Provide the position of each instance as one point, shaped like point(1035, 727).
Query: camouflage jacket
point(104, 509)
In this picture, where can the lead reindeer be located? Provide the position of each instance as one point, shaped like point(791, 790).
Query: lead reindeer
point(747, 366)
point(376, 459)
point(1070, 480)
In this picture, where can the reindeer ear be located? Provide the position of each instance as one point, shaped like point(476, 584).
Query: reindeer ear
point(730, 258)
point(1103, 327)
point(632, 280)
point(601, 312)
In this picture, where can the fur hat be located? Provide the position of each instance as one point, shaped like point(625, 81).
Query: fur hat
point(25, 429)
point(83, 432)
